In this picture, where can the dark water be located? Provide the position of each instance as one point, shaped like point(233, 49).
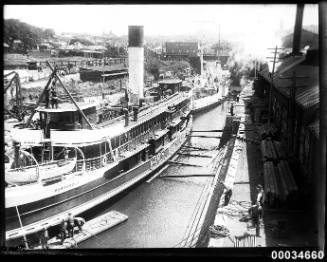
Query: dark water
point(160, 212)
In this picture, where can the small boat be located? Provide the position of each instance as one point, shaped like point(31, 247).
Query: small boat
point(46, 171)
point(90, 229)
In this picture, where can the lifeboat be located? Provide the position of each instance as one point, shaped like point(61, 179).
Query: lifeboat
point(46, 171)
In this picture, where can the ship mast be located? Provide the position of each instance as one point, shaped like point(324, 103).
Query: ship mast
point(218, 51)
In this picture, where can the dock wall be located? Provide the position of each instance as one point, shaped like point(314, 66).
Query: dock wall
point(228, 140)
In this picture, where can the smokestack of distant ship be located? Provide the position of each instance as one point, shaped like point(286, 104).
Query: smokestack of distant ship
point(135, 63)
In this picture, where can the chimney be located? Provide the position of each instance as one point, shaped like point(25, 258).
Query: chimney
point(135, 63)
point(298, 29)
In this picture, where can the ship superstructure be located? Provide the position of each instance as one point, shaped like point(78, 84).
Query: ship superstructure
point(209, 88)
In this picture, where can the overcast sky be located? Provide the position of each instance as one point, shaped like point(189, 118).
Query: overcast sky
point(160, 19)
point(256, 26)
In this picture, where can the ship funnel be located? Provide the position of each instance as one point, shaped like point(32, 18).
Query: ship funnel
point(135, 63)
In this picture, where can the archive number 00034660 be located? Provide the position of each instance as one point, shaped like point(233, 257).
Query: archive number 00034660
point(293, 254)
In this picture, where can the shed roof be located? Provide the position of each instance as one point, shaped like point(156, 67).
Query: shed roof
point(307, 91)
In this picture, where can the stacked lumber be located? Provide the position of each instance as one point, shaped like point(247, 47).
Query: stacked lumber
point(267, 130)
point(268, 150)
point(272, 192)
point(288, 185)
point(280, 152)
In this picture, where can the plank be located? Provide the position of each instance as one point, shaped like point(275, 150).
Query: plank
point(90, 229)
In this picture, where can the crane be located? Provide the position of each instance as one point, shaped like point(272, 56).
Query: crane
point(17, 111)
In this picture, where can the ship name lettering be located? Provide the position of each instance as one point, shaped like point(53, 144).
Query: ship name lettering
point(64, 187)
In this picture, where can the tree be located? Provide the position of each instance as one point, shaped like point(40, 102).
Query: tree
point(114, 51)
point(29, 35)
point(153, 66)
point(122, 51)
point(48, 33)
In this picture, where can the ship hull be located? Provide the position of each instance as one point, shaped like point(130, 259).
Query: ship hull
point(204, 108)
point(39, 210)
point(87, 196)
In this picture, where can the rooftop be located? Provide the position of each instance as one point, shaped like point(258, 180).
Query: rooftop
point(307, 91)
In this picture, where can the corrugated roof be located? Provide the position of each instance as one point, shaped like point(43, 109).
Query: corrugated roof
point(282, 66)
point(308, 97)
point(288, 63)
point(307, 92)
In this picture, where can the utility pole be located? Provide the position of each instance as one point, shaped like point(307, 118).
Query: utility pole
point(271, 84)
point(218, 53)
point(291, 108)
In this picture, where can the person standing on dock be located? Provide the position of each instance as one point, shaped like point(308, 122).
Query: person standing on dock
point(254, 213)
point(70, 225)
point(63, 230)
point(44, 237)
point(260, 201)
point(228, 194)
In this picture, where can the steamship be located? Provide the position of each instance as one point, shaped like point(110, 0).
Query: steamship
point(82, 155)
point(210, 88)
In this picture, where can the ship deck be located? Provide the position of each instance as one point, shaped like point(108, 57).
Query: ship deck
point(112, 128)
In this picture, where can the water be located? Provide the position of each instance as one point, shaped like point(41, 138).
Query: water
point(160, 212)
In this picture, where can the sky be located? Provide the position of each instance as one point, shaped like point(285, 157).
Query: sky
point(256, 26)
point(159, 19)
